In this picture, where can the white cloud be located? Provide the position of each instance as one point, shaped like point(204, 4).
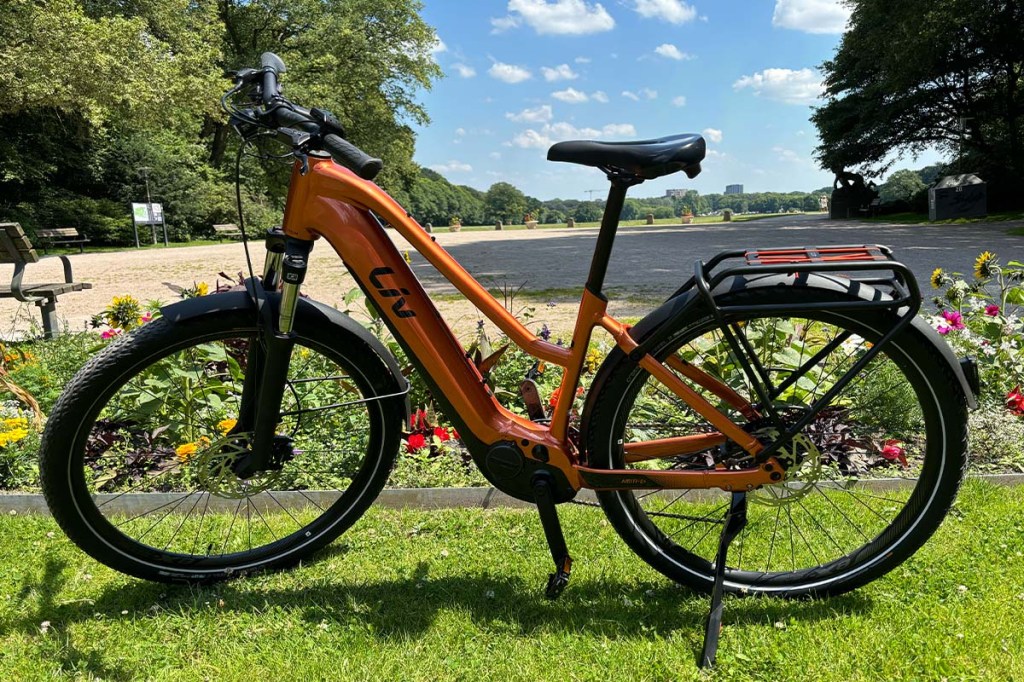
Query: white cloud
point(557, 17)
point(811, 16)
point(494, 155)
point(599, 96)
point(509, 73)
point(787, 155)
point(452, 167)
point(712, 134)
point(555, 132)
point(464, 71)
point(460, 132)
point(645, 93)
point(679, 101)
point(438, 47)
point(672, 11)
point(501, 24)
point(562, 72)
point(785, 85)
point(582, 60)
point(541, 114)
point(672, 52)
point(571, 96)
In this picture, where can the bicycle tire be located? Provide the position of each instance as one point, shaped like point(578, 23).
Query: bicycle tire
point(108, 378)
point(942, 409)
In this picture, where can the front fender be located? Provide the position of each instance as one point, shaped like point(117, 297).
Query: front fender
point(308, 313)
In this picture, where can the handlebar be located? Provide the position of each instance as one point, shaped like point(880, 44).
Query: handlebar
point(322, 130)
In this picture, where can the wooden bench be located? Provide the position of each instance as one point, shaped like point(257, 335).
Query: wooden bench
point(16, 248)
point(61, 236)
point(227, 230)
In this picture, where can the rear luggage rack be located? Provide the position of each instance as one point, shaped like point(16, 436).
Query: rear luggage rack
point(897, 287)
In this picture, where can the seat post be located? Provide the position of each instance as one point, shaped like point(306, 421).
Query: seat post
point(606, 237)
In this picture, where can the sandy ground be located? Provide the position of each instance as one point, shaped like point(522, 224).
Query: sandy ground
point(647, 264)
point(145, 274)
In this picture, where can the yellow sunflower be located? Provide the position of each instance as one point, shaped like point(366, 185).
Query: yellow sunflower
point(984, 265)
point(937, 276)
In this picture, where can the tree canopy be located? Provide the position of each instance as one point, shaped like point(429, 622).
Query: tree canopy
point(138, 83)
point(907, 75)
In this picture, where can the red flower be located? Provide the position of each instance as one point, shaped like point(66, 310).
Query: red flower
point(441, 433)
point(455, 435)
point(893, 451)
point(418, 420)
point(1015, 401)
point(991, 310)
point(558, 392)
point(415, 442)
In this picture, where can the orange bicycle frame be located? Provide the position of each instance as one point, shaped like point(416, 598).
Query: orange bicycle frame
point(329, 201)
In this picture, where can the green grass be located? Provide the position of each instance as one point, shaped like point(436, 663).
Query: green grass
point(922, 219)
point(144, 247)
point(457, 595)
point(699, 220)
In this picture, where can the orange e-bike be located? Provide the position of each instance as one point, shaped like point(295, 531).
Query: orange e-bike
point(784, 424)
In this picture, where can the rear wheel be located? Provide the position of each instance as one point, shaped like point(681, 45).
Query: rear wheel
point(869, 479)
point(138, 458)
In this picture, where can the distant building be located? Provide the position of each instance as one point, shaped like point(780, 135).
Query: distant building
point(675, 193)
point(734, 189)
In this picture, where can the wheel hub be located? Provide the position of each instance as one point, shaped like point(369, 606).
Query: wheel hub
point(802, 461)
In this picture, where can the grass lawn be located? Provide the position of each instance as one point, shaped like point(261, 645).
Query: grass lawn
point(446, 595)
point(698, 220)
point(922, 219)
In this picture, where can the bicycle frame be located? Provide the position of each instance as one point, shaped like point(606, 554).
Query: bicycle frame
point(326, 200)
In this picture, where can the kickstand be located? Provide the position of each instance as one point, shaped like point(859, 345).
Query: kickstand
point(734, 522)
point(544, 498)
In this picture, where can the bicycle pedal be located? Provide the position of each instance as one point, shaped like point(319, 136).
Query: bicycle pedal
point(558, 580)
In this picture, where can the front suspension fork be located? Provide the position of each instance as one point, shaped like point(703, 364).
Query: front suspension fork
point(269, 354)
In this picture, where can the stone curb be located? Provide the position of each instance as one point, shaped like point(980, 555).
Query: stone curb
point(392, 498)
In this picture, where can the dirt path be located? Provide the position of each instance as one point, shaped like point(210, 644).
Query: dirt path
point(143, 275)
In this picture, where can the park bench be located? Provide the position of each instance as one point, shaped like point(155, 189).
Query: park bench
point(227, 230)
point(61, 236)
point(16, 248)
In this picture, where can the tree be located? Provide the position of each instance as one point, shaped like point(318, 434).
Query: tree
point(907, 74)
point(505, 203)
point(901, 186)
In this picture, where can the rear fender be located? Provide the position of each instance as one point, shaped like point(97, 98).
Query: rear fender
point(654, 328)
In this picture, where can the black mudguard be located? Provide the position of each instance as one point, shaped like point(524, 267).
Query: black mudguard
point(309, 313)
point(688, 304)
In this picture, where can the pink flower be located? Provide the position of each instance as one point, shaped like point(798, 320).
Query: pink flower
point(943, 329)
point(955, 319)
point(146, 317)
point(991, 310)
point(893, 451)
point(110, 333)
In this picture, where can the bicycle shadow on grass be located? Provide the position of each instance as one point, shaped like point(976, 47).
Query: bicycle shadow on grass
point(408, 606)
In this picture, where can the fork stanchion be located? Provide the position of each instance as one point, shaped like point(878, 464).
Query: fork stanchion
point(734, 522)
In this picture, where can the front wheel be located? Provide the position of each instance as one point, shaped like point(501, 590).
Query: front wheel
point(868, 480)
point(138, 458)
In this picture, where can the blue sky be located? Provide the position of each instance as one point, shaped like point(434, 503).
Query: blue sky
point(522, 74)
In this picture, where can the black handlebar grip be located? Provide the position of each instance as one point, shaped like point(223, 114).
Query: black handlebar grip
point(353, 158)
